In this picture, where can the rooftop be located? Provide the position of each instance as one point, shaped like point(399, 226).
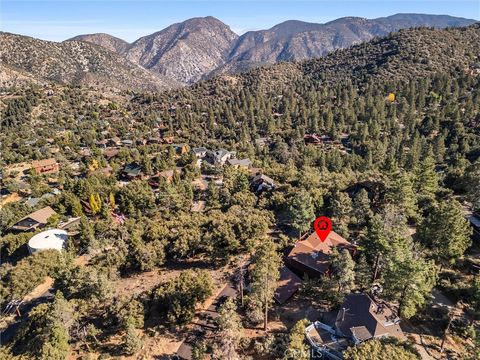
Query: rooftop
point(44, 162)
point(314, 253)
point(363, 318)
point(50, 239)
point(41, 216)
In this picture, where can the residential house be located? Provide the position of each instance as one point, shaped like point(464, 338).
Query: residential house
point(180, 149)
point(198, 206)
point(375, 190)
point(132, 171)
point(154, 140)
point(240, 163)
point(24, 188)
point(115, 141)
point(312, 139)
point(219, 157)
point(311, 256)
point(33, 201)
point(110, 153)
point(46, 166)
point(324, 342)
point(200, 152)
point(361, 318)
point(70, 225)
point(86, 152)
point(106, 171)
point(53, 150)
point(261, 183)
point(34, 221)
point(167, 174)
point(126, 142)
point(102, 143)
point(261, 142)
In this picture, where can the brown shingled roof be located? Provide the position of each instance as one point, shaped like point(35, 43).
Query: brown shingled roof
point(315, 254)
point(44, 162)
point(34, 220)
point(42, 215)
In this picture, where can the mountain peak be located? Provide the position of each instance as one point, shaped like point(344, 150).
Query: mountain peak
point(185, 51)
point(107, 41)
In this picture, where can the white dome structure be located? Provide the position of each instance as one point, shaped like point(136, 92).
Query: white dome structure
point(51, 239)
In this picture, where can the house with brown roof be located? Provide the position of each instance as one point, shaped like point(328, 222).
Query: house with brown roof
point(312, 256)
point(110, 153)
point(46, 166)
point(287, 285)
point(34, 221)
point(240, 163)
point(312, 139)
point(261, 183)
point(361, 318)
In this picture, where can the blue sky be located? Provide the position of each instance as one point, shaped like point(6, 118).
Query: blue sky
point(62, 19)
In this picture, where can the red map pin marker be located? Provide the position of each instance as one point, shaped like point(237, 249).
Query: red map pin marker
point(322, 226)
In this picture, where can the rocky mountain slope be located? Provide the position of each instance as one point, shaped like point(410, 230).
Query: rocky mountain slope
point(200, 47)
point(109, 42)
point(74, 62)
point(195, 49)
point(185, 51)
point(296, 40)
point(406, 54)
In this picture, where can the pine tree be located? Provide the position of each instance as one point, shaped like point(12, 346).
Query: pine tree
point(86, 234)
point(402, 194)
point(229, 327)
point(213, 196)
point(341, 207)
point(361, 208)
point(264, 280)
point(376, 244)
point(301, 212)
point(297, 348)
point(409, 280)
point(381, 349)
point(446, 231)
point(343, 270)
point(426, 180)
point(363, 273)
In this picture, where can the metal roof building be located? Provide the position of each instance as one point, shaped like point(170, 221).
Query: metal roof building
point(51, 239)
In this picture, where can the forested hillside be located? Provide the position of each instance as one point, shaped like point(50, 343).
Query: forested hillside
point(394, 164)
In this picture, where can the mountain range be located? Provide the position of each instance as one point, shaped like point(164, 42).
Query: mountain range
point(400, 56)
point(195, 49)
